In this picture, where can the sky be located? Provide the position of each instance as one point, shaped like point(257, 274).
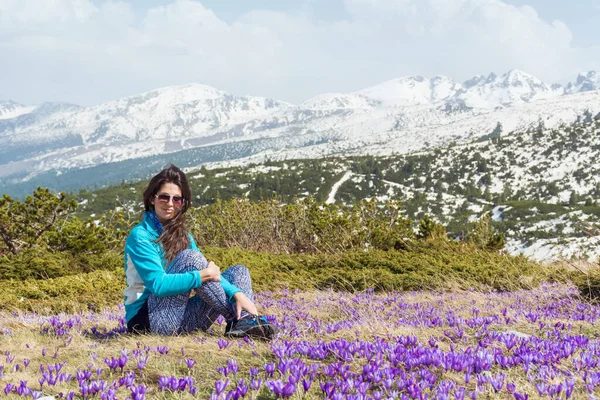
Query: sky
point(92, 51)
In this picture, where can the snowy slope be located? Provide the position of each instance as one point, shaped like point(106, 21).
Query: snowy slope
point(541, 186)
point(398, 116)
point(410, 91)
point(333, 101)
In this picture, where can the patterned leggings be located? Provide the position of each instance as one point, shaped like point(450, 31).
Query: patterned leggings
point(182, 313)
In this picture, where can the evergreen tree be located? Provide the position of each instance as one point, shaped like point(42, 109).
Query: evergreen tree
point(497, 132)
point(487, 194)
point(484, 236)
point(431, 230)
point(573, 199)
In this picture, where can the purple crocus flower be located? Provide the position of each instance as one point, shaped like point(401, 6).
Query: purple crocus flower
point(8, 388)
point(269, 369)
point(220, 386)
point(510, 387)
point(122, 361)
point(163, 383)
point(277, 387)
point(569, 386)
point(497, 382)
point(138, 392)
point(306, 384)
point(232, 366)
point(256, 384)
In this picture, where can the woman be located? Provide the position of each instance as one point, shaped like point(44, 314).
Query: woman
point(163, 265)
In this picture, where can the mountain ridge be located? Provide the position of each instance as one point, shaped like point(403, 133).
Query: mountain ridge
point(401, 115)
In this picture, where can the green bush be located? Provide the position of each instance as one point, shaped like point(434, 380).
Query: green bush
point(40, 238)
point(64, 294)
point(23, 224)
point(302, 227)
point(38, 263)
point(425, 265)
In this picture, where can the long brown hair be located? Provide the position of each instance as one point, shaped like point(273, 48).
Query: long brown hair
point(174, 237)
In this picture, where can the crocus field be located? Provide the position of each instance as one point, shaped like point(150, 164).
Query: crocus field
point(541, 343)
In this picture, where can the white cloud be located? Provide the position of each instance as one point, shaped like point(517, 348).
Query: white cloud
point(78, 51)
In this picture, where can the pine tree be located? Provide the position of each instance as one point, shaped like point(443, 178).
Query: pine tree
point(431, 230)
point(487, 194)
point(484, 236)
point(497, 132)
point(573, 199)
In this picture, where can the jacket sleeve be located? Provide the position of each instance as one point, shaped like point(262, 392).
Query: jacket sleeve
point(229, 288)
point(148, 263)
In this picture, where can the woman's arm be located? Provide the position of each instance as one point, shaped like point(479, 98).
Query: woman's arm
point(143, 255)
point(229, 288)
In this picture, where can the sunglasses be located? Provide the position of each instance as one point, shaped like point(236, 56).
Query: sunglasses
point(165, 198)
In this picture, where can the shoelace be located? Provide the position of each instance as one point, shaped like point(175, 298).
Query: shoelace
point(257, 320)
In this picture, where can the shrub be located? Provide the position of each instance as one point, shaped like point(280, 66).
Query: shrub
point(302, 227)
point(484, 236)
point(431, 230)
point(425, 265)
point(38, 263)
point(589, 284)
point(24, 223)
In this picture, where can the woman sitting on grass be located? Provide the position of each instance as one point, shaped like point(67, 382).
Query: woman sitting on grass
point(163, 265)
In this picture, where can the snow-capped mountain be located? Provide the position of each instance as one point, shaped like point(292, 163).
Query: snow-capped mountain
point(513, 88)
point(411, 91)
point(11, 109)
point(397, 116)
point(170, 113)
point(584, 83)
point(34, 117)
point(510, 89)
point(338, 101)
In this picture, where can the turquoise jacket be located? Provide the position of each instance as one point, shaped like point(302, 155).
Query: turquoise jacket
point(145, 270)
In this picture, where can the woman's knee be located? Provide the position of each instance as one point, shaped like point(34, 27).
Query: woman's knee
point(189, 259)
point(238, 270)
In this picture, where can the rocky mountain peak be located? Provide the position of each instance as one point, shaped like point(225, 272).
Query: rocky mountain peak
point(587, 82)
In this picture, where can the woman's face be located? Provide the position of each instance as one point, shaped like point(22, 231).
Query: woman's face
point(165, 210)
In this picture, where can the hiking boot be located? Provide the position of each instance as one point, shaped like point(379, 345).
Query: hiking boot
point(254, 326)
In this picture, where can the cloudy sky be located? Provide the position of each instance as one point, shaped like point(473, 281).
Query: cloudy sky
point(90, 51)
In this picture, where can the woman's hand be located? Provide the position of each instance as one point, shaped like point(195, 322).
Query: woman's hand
point(242, 302)
point(212, 273)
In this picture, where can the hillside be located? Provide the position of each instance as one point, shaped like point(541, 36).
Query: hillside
point(540, 186)
point(68, 147)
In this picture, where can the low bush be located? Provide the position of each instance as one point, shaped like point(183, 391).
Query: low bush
point(302, 227)
point(37, 263)
point(589, 285)
point(426, 265)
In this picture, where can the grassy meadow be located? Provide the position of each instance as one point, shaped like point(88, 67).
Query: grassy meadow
point(369, 305)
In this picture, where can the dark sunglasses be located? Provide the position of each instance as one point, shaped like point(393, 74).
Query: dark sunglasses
point(165, 198)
